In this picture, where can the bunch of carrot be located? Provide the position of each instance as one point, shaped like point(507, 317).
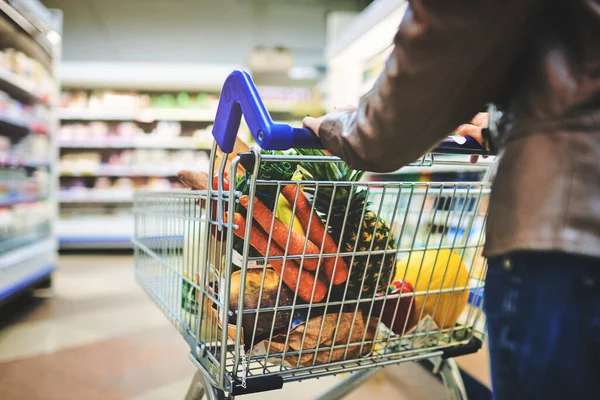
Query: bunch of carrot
point(296, 274)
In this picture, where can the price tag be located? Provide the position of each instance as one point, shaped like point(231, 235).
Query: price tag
point(237, 259)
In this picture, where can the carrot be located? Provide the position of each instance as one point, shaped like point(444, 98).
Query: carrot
point(280, 233)
point(336, 272)
point(303, 286)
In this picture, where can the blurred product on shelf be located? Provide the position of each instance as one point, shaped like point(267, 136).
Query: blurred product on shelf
point(139, 162)
point(23, 223)
point(80, 163)
point(111, 100)
point(18, 185)
point(35, 117)
point(167, 134)
point(27, 72)
point(146, 107)
point(105, 189)
point(32, 150)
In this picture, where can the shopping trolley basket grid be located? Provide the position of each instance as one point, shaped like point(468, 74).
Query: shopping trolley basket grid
point(181, 265)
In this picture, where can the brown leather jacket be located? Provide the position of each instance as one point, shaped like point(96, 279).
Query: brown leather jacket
point(541, 59)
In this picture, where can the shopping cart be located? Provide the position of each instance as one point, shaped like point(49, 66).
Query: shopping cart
point(245, 294)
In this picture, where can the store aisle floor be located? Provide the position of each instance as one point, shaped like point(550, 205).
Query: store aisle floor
point(97, 336)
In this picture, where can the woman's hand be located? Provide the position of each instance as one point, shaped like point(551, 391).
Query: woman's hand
point(315, 123)
point(473, 129)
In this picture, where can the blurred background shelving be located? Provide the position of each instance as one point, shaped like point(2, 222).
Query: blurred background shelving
point(29, 58)
point(113, 142)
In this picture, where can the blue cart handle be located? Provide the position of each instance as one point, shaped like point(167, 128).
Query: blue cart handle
point(240, 97)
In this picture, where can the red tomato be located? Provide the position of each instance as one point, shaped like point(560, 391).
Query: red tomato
point(397, 310)
point(215, 182)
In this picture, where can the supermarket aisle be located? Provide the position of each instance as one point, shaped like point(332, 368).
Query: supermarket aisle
point(99, 337)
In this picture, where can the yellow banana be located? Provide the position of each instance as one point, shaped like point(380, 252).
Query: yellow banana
point(284, 213)
point(283, 210)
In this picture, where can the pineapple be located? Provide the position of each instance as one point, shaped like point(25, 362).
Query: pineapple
point(361, 232)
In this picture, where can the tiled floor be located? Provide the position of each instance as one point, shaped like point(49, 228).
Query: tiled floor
point(97, 336)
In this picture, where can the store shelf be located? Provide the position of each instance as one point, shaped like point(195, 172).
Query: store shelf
point(24, 279)
point(13, 127)
point(124, 172)
point(116, 144)
point(9, 125)
point(96, 232)
point(91, 197)
point(24, 267)
point(17, 87)
point(12, 162)
point(183, 115)
point(21, 254)
point(19, 200)
point(26, 235)
point(33, 165)
point(149, 115)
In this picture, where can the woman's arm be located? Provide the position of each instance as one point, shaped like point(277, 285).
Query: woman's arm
point(450, 58)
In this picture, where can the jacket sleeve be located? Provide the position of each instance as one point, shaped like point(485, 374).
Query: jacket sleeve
point(450, 58)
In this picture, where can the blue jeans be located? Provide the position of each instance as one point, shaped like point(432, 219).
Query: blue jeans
point(543, 313)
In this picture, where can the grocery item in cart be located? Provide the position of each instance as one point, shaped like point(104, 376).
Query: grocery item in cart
point(352, 220)
point(334, 267)
point(308, 286)
point(262, 290)
point(321, 333)
point(295, 243)
point(394, 309)
point(430, 272)
point(285, 215)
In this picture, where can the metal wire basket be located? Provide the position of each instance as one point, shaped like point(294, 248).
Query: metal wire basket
point(262, 303)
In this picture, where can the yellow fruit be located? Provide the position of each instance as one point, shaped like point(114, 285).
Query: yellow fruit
point(283, 212)
point(429, 272)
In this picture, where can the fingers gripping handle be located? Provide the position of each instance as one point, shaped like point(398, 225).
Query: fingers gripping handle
point(460, 145)
point(240, 97)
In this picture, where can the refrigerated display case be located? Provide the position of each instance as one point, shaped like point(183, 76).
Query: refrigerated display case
point(29, 59)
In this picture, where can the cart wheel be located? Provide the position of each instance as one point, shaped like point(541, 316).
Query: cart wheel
point(201, 389)
point(452, 380)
